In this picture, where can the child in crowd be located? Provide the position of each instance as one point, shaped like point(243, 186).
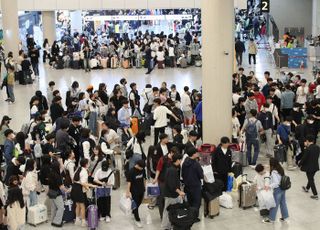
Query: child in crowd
point(262, 177)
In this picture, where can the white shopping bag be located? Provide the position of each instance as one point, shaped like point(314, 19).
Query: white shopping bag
point(125, 205)
point(266, 199)
point(208, 174)
point(225, 200)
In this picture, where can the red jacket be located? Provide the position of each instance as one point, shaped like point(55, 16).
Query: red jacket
point(261, 100)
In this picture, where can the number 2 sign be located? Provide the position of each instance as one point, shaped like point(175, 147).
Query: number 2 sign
point(265, 6)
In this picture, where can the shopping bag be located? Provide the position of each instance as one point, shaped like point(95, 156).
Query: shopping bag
point(267, 199)
point(153, 190)
point(125, 205)
point(208, 174)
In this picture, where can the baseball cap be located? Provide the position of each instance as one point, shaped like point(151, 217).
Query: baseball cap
point(6, 118)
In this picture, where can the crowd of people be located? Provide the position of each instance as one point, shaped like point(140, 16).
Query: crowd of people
point(112, 51)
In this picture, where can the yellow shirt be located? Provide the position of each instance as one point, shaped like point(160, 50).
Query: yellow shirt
point(10, 79)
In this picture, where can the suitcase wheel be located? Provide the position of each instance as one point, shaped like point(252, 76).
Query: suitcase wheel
point(211, 217)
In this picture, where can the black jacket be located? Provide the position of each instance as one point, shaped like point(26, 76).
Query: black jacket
point(310, 159)
point(56, 111)
point(239, 46)
point(189, 145)
point(221, 163)
point(172, 182)
point(192, 173)
point(12, 170)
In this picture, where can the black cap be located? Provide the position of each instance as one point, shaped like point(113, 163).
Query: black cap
point(8, 132)
point(6, 118)
point(193, 133)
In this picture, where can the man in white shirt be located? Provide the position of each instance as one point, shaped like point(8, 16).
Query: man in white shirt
point(160, 117)
point(186, 106)
point(302, 92)
point(235, 96)
point(110, 136)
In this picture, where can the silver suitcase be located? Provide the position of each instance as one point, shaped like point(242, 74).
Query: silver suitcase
point(247, 195)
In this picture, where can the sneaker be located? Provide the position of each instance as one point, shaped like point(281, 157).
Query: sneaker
point(84, 224)
point(267, 221)
point(77, 222)
point(138, 224)
point(102, 218)
point(315, 197)
point(108, 219)
point(253, 166)
point(305, 189)
point(282, 220)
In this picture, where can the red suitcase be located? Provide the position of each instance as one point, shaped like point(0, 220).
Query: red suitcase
point(206, 151)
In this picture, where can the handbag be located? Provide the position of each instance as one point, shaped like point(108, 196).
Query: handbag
point(147, 108)
point(53, 194)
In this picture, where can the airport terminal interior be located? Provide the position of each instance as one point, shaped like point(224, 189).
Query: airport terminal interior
point(201, 44)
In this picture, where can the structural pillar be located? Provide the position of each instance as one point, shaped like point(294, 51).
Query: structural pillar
point(49, 25)
point(315, 17)
point(76, 21)
point(217, 68)
point(10, 22)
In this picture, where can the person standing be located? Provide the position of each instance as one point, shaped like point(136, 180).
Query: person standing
point(252, 127)
point(186, 107)
point(8, 146)
point(136, 188)
point(123, 87)
point(250, 104)
point(266, 119)
point(34, 58)
point(172, 189)
point(3, 127)
point(134, 99)
point(198, 113)
point(10, 85)
point(160, 116)
point(192, 174)
point(221, 161)
point(277, 173)
point(310, 164)
point(124, 115)
point(252, 50)
point(240, 49)
point(287, 101)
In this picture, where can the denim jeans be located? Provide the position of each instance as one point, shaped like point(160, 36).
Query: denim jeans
point(269, 142)
point(57, 209)
point(93, 123)
point(10, 93)
point(33, 198)
point(35, 67)
point(255, 144)
point(280, 199)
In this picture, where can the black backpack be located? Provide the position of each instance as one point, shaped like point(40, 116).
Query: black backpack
point(285, 183)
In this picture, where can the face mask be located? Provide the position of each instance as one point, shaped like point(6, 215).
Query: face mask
point(296, 109)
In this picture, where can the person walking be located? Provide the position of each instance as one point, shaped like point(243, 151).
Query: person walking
point(310, 164)
point(252, 51)
point(277, 173)
point(252, 127)
point(34, 58)
point(240, 49)
point(192, 174)
point(10, 85)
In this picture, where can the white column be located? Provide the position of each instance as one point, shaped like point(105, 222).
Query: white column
point(315, 17)
point(49, 25)
point(217, 68)
point(76, 21)
point(10, 22)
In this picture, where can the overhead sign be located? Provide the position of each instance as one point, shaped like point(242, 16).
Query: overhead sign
point(265, 6)
point(139, 17)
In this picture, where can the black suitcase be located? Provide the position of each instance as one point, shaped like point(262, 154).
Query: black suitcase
point(22, 80)
point(75, 65)
point(60, 64)
point(28, 79)
point(237, 169)
point(69, 211)
point(280, 153)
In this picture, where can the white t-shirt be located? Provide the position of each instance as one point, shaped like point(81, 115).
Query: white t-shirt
point(165, 150)
point(99, 175)
point(171, 52)
point(185, 102)
point(69, 165)
point(160, 116)
point(112, 135)
point(235, 98)
point(235, 127)
point(302, 95)
point(83, 178)
point(160, 56)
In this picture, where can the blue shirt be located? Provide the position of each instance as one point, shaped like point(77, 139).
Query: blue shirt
point(283, 131)
point(8, 151)
point(198, 111)
point(123, 115)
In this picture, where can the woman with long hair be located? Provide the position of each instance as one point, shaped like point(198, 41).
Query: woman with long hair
point(29, 183)
point(277, 172)
point(78, 193)
point(46, 50)
point(16, 210)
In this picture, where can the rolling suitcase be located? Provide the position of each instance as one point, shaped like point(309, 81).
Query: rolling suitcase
point(75, 64)
point(135, 125)
point(116, 179)
point(37, 214)
point(211, 208)
point(280, 153)
point(236, 169)
point(69, 211)
point(126, 64)
point(138, 63)
point(28, 79)
point(114, 63)
point(206, 151)
point(93, 217)
point(104, 63)
point(160, 64)
point(247, 195)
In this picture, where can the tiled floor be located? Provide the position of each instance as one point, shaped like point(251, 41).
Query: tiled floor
point(303, 211)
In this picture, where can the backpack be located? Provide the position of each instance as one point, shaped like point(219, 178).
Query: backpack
point(251, 130)
point(285, 183)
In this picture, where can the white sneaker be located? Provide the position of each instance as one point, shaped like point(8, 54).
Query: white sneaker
point(77, 222)
point(84, 224)
point(138, 224)
point(101, 218)
point(108, 219)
